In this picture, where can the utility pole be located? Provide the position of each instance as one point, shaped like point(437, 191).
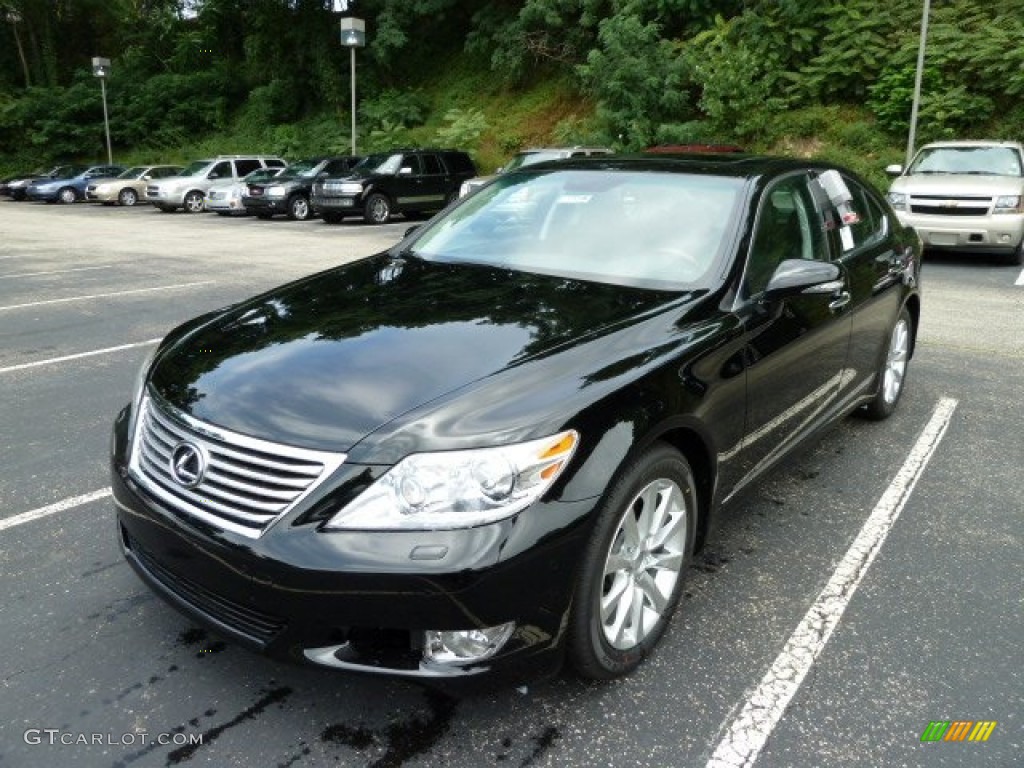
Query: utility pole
point(917, 83)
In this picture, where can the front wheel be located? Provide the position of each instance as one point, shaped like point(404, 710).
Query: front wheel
point(633, 567)
point(893, 371)
point(128, 197)
point(194, 202)
point(378, 209)
point(67, 195)
point(298, 208)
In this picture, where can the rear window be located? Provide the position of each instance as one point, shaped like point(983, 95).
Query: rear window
point(459, 162)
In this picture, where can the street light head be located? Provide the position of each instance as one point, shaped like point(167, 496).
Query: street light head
point(100, 66)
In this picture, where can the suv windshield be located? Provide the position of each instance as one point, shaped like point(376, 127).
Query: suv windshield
point(994, 161)
point(652, 230)
point(529, 158)
point(263, 174)
point(382, 163)
point(133, 173)
point(302, 168)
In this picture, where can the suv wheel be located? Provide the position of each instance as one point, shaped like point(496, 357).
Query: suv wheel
point(378, 209)
point(194, 202)
point(298, 208)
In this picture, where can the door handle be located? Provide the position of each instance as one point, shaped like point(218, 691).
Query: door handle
point(839, 301)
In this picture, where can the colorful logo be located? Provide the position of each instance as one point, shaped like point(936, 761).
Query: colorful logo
point(958, 730)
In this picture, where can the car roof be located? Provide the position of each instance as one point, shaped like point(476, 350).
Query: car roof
point(972, 143)
point(736, 165)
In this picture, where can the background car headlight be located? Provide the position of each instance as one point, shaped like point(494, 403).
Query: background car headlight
point(275, 191)
point(1008, 204)
point(459, 489)
point(898, 200)
point(350, 188)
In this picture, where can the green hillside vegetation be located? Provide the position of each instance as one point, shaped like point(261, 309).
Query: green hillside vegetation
point(825, 78)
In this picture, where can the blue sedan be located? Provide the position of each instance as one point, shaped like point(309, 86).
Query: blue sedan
point(68, 186)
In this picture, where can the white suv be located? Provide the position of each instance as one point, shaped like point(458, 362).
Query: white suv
point(189, 189)
point(964, 196)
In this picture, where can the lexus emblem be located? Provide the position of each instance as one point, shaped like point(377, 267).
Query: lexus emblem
point(188, 464)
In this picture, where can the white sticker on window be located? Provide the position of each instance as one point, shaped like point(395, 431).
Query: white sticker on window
point(846, 235)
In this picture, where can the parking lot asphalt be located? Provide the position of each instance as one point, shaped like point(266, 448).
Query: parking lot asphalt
point(97, 671)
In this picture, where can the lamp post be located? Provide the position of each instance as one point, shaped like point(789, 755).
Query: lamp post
point(101, 68)
point(353, 35)
point(917, 82)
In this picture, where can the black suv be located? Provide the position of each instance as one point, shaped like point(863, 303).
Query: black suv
point(289, 193)
point(407, 181)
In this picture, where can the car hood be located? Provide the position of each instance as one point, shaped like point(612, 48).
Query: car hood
point(958, 184)
point(325, 361)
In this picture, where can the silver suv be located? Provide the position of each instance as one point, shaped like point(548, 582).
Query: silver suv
point(964, 196)
point(188, 190)
point(531, 156)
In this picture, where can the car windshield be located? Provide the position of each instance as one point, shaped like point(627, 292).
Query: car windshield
point(988, 161)
point(133, 173)
point(529, 158)
point(662, 231)
point(382, 163)
point(68, 171)
point(194, 169)
point(262, 174)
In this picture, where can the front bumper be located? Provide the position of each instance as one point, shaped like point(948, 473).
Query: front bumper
point(265, 204)
point(994, 234)
point(348, 205)
point(362, 601)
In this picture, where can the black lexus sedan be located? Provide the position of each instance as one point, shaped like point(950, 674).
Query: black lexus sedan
point(496, 446)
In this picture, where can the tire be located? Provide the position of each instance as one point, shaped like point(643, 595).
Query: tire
point(298, 208)
point(892, 372)
point(634, 565)
point(377, 210)
point(67, 195)
point(332, 218)
point(1016, 259)
point(127, 197)
point(194, 202)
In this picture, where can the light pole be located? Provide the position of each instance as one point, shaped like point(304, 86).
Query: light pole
point(917, 82)
point(353, 35)
point(101, 68)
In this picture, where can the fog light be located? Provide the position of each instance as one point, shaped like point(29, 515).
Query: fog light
point(465, 645)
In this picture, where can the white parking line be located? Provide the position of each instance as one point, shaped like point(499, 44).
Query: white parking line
point(56, 272)
point(746, 734)
point(79, 355)
point(60, 506)
point(1020, 280)
point(104, 295)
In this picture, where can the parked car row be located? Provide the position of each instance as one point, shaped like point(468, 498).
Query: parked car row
point(408, 181)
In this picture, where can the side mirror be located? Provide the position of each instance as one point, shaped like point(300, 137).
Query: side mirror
point(894, 170)
point(147, 177)
point(795, 276)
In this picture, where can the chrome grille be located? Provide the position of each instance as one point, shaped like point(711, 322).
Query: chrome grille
point(951, 206)
point(247, 483)
point(152, 191)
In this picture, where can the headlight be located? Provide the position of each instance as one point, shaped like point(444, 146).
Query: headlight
point(275, 191)
point(459, 489)
point(350, 188)
point(1008, 204)
point(898, 200)
point(102, 188)
point(137, 391)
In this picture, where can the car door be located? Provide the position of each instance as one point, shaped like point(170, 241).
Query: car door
point(873, 262)
point(796, 347)
point(408, 186)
